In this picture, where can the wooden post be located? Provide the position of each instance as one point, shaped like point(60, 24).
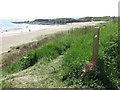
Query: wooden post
point(91, 65)
point(95, 44)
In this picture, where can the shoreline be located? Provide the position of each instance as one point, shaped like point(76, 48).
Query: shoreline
point(27, 28)
point(14, 39)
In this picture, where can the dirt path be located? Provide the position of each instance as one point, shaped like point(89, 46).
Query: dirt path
point(39, 76)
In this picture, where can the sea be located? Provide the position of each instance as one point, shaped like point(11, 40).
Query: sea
point(6, 26)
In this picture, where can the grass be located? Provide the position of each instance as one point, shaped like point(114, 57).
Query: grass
point(49, 51)
point(76, 47)
point(81, 52)
point(16, 52)
point(46, 74)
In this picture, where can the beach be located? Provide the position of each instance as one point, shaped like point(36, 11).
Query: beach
point(11, 39)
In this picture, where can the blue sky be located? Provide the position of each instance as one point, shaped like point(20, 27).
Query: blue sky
point(57, 8)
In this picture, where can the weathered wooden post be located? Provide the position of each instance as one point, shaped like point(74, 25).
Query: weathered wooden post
point(95, 45)
point(91, 65)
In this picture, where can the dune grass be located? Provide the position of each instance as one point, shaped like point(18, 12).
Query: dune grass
point(76, 46)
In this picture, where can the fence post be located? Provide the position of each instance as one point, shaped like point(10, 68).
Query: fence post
point(95, 44)
point(91, 65)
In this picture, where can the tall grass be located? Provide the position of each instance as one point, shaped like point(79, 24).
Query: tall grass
point(48, 51)
point(81, 52)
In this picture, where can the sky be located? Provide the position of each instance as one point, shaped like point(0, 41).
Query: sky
point(57, 8)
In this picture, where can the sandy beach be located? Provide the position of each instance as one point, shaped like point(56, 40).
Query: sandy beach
point(8, 40)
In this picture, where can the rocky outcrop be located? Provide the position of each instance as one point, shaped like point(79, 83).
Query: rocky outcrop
point(60, 21)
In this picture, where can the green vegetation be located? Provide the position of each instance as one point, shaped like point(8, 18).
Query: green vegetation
point(106, 18)
point(76, 49)
point(48, 51)
point(107, 65)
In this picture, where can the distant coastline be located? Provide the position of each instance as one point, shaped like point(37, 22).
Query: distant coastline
point(25, 25)
point(63, 21)
point(60, 21)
